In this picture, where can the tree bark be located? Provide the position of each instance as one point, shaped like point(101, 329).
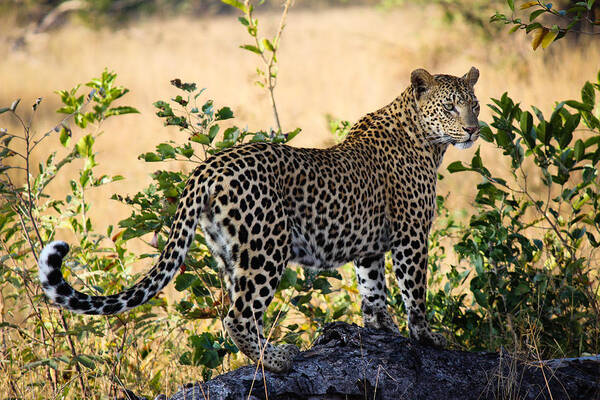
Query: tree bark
point(349, 362)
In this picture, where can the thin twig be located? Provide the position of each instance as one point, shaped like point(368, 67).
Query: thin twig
point(270, 63)
point(114, 376)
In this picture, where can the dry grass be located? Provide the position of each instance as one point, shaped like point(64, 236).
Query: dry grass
point(345, 62)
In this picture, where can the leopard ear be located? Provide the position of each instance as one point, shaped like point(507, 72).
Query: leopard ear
point(421, 81)
point(471, 77)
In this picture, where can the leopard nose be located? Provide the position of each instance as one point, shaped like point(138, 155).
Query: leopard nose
point(471, 130)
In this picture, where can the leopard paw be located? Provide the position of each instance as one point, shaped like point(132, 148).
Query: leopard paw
point(279, 359)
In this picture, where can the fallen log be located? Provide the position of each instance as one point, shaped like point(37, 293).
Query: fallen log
point(350, 362)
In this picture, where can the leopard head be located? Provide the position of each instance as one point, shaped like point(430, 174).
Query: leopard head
point(447, 107)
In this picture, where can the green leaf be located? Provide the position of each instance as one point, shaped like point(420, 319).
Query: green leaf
point(521, 289)
point(579, 106)
point(231, 134)
point(587, 95)
point(503, 139)
point(65, 135)
point(579, 150)
point(84, 177)
point(480, 298)
point(486, 132)
point(535, 14)
point(212, 132)
point(4, 109)
point(237, 4)
point(538, 113)
point(292, 134)
point(166, 150)
point(541, 132)
point(188, 87)
point(150, 157)
point(578, 233)
point(323, 285)
point(268, 45)
point(577, 9)
point(177, 121)
point(589, 173)
point(186, 150)
point(184, 281)
point(84, 146)
point(527, 128)
point(200, 138)
point(180, 100)
point(164, 109)
point(288, 279)
point(121, 110)
point(531, 27)
point(592, 239)
point(476, 162)
point(590, 4)
point(572, 122)
point(86, 361)
point(223, 113)
point(243, 21)
point(511, 4)
point(251, 48)
point(457, 166)
point(207, 108)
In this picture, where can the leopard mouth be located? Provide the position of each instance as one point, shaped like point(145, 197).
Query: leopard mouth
point(468, 142)
point(464, 145)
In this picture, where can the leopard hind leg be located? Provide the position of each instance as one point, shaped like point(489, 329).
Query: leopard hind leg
point(252, 269)
point(252, 286)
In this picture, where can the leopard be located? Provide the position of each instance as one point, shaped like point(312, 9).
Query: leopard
point(263, 206)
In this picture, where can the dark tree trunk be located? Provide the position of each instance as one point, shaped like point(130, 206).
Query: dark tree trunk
point(349, 362)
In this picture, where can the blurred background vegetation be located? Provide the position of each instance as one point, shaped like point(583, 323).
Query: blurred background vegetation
point(507, 272)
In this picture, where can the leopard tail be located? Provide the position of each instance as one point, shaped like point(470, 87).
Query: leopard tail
point(182, 234)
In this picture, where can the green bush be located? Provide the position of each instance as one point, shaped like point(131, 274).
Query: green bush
point(532, 275)
point(50, 349)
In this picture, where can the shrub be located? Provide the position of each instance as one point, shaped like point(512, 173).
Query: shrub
point(532, 273)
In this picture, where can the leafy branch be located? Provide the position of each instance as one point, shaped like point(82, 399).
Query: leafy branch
point(264, 47)
point(544, 34)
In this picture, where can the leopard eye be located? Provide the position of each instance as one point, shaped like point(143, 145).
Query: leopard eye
point(449, 106)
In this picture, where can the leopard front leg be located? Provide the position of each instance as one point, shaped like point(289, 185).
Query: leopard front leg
point(410, 268)
point(370, 273)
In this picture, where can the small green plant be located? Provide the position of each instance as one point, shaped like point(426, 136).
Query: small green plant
point(49, 354)
point(264, 47)
point(338, 128)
